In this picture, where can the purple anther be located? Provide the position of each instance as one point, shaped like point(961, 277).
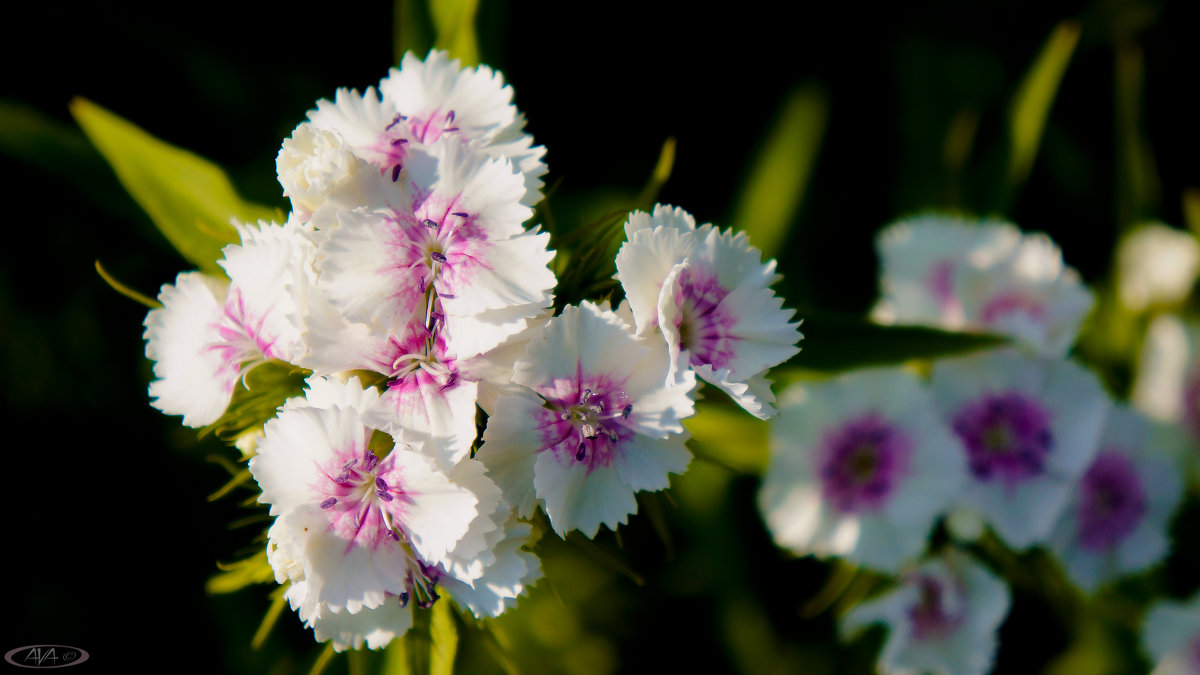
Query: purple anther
point(403, 599)
point(437, 315)
point(395, 121)
point(438, 256)
point(385, 496)
point(349, 464)
point(399, 141)
point(565, 416)
point(447, 296)
point(450, 117)
point(448, 129)
point(431, 224)
point(582, 452)
point(612, 435)
point(370, 463)
point(585, 396)
point(396, 172)
point(342, 477)
point(423, 286)
point(450, 381)
point(627, 411)
point(460, 214)
point(329, 502)
point(381, 483)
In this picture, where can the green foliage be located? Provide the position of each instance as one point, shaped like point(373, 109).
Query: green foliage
point(1031, 104)
point(236, 576)
point(726, 435)
point(256, 398)
point(419, 25)
point(775, 188)
point(429, 647)
point(188, 198)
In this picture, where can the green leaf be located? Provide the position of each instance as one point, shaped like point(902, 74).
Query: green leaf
point(728, 436)
point(411, 29)
point(257, 397)
point(835, 342)
point(658, 178)
point(444, 635)
point(772, 194)
point(125, 290)
point(454, 21)
point(270, 618)
point(188, 198)
point(238, 575)
point(1035, 95)
point(1191, 209)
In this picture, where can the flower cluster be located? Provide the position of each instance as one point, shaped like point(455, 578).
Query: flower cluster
point(408, 288)
point(1020, 439)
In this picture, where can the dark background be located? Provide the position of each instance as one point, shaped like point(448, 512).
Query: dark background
point(110, 536)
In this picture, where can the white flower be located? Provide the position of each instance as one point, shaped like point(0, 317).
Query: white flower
point(455, 232)
point(957, 274)
point(1167, 387)
point(354, 531)
point(861, 467)
point(600, 422)
point(1171, 636)
point(1116, 521)
point(316, 166)
point(1028, 427)
point(1156, 265)
point(708, 294)
point(943, 619)
point(210, 332)
point(921, 262)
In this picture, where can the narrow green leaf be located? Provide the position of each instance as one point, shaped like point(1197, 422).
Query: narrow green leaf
point(1137, 185)
point(454, 22)
point(411, 29)
point(419, 644)
point(773, 192)
point(395, 659)
point(835, 342)
point(323, 660)
point(728, 435)
point(238, 575)
point(658, 178)
point(270, 618)
point(125, 290)
point(1035, 95)
point(188, 198)
point(444, 634)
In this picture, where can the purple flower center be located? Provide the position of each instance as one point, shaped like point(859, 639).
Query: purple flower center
point(704, 324)
point(939, 610)
point(861, 462)
point(1006, 435)
point(1112, 502)
point(585, 421)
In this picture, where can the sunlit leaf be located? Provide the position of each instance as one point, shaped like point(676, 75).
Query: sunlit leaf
point(256, 399)
point(270, 618)
point(1035, 95)
point(188, 198)
point(728, 435)
point(444, 636)
point(243, 573)
point(454, 22)
point(775, 188)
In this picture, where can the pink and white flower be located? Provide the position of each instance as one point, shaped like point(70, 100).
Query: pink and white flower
point(708, 294)
point(1157, 265)
point(1028, 428)
point(1116, 521)
point(861, 467)
point(1167, 387)
point(209, 332)
point(943, 618)
point(355, 531)
point(600, 422)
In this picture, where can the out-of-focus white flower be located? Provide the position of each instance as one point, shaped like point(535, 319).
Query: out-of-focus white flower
point(708, 293)
point(1116, 521)
point(1028, 427)
point(1167, 387)
point(1156, 265)
point(985, 276)
point(943, 618)
point(600, 422)
point(861, 466)
point(354, 531)
point(1171, 636)
point(210, 332)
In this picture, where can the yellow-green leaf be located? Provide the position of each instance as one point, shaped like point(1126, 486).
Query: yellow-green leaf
point(444, 634)
point(1035, 95)
point(454, 23)
point(238, 575)
point(772, 194)
point(658, 178)
point(728, 435)
point(188, 198)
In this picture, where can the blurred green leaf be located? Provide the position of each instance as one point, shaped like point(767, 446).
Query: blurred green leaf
point(243, 573)
point(270, 618)
point(125, 290)
point(728, 435)
point(444, 635)
point(1034, 96)
point(658, 178)
point(454, 22)
point(1137, 187)
point(835, 342)
point(189, 198)
point(256, 398)
point(411, 28)
point(772, 194)
point(1191, 209)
